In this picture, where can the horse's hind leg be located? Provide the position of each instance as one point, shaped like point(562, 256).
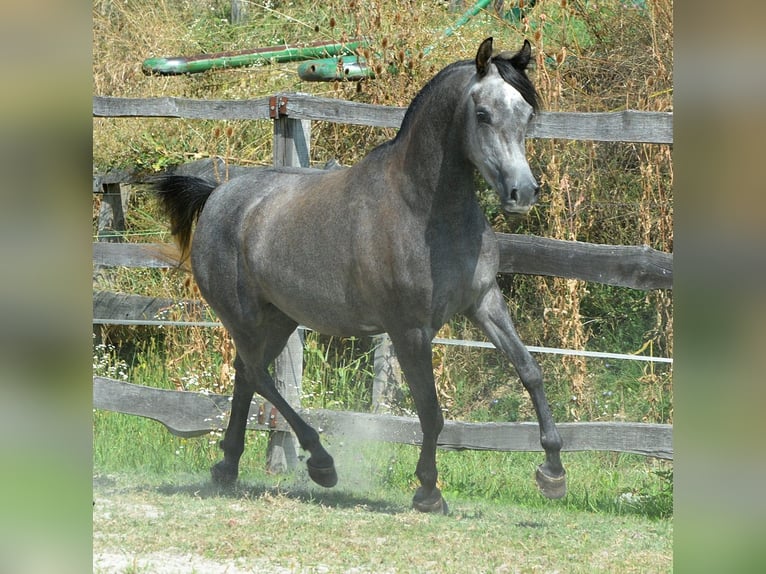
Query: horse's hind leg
point(491, 314)
point(254, 355)
point(233, 444)
point(413, 350)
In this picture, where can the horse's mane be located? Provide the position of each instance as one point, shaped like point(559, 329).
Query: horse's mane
point(516, 78)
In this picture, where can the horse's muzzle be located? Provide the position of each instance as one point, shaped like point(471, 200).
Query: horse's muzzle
point(520, 201)
point(513, 208)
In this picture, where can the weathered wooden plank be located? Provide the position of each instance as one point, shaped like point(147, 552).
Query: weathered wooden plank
point(154, 255)
point(183, 413)
point(117, 175)
point(192, 414)
point(621, 265)
point(636, 438)
point(626, 126)
point(307, 107)
point(167, 107)
point(109, 306)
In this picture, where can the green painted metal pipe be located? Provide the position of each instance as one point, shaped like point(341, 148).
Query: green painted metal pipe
point(341, 68)
point(467, 15)
point(203, 62)
point(356, 68)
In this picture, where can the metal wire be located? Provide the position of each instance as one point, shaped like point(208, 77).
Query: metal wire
point(437, 340)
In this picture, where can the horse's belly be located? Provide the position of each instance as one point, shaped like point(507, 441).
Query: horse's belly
point(329, 321)
point(328, 311)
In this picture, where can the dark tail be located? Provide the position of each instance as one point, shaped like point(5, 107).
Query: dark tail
point(181, 199)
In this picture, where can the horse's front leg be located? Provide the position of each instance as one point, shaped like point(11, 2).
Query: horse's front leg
point(491, 315)
point(413, 350)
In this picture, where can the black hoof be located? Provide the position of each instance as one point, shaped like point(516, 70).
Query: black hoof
point(550, 486)
point(433, 503)
point(223, 474)
point(323, 475)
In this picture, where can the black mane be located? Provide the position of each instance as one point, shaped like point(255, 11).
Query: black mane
point(518, 79)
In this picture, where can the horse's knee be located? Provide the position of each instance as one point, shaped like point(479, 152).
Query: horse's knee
point(531, 376)
point(438, 423)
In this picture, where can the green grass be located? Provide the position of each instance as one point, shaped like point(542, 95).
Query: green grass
point(148, 522)
point(600, 482)
point(336, 375)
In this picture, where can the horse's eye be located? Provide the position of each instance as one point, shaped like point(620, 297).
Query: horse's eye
point(483, 117)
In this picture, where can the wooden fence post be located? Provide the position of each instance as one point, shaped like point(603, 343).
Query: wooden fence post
point(111, 225)
point(111, 216)
point(238, 11)
point(282, 453)
point(387, 375)
point(292, 138)
point(291, 148)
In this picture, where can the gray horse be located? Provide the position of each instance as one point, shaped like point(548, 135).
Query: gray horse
point(397, 243)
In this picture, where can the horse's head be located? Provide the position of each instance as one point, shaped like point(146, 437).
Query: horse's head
point(501, 102)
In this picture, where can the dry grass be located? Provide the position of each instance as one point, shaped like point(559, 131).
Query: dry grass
point(188, 526)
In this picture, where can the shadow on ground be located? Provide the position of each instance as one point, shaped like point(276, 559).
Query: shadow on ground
point(292, 487)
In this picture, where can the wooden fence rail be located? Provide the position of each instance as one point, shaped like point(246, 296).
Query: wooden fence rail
point(636, 267)
point(189, 414)
point(624, 126)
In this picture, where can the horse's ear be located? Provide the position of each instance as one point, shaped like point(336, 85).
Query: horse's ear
point(483, 57)
point(520, 59)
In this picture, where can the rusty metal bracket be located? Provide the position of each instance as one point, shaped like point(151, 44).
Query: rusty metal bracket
point(261, 414)
point(277, 107)
point(272, 422)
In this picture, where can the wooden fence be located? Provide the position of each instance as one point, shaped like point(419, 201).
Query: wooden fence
point(190, 414)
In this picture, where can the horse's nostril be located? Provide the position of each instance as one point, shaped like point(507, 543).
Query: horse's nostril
point(514, 194)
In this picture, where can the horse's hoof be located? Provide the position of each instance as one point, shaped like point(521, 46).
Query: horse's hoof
point(223, 475)
point(550, 486)
point(434, 503)
point(323, 475)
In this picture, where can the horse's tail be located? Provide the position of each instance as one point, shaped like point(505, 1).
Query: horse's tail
point(182, 199)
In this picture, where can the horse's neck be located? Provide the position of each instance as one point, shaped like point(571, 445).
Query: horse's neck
point(431, 155)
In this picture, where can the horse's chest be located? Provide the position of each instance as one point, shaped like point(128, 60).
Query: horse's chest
point(449, 278)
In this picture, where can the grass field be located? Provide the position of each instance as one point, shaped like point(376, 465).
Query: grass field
point(156, 510)
point(145, 524)
point(618, 484)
